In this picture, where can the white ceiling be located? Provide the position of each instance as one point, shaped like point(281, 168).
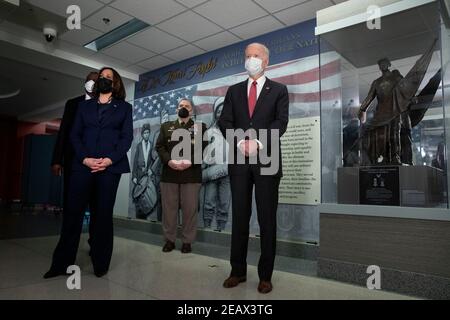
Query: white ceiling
point(180, 29)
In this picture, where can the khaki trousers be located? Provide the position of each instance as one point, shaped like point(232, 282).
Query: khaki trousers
point(173, 197)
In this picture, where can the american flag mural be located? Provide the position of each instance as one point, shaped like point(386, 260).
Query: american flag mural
point(306, 83)
point(300, 76)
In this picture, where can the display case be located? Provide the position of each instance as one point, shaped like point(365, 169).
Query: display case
point(383, 133)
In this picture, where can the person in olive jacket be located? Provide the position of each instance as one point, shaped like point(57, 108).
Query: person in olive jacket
point(181, 178)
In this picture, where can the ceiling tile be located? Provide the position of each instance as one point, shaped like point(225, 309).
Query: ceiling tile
point(151, 12)
point(302, 12)
point(73, 49)
point(184, 53)
point(155, 40)
point(81, 37)
point(136, 69)
point(230, 13)
point(128, 52)
point(116, 18)
point(107, 61)
point(189, 26)
point(257, 27)
point(217, 41)
point(60, 7)
point(155, 63)
point(191, 3)
point(273, 6)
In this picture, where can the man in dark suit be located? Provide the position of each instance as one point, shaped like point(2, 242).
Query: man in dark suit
point(260, 104)
point(63, 153)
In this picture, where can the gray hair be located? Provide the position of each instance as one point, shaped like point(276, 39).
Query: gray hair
point(266, 50)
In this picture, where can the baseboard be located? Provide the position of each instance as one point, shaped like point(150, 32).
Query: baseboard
point(284, 248)
point(403, 282)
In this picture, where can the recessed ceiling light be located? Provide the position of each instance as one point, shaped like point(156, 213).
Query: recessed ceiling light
point(124, 31)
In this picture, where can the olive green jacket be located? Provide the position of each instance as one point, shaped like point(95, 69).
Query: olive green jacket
point(165, 145)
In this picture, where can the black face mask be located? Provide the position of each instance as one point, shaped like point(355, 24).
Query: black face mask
point(183, 113)
point(104, 85)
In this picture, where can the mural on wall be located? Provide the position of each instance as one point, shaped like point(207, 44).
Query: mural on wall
point(294, 61)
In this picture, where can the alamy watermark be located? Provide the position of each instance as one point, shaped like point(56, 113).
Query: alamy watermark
point(374, 280)
point(373, 17)
point(267, 155)
point(73, 22)
point(74, 280)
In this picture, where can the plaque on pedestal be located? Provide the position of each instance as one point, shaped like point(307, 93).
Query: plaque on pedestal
point(408, 186)
point(379, 186)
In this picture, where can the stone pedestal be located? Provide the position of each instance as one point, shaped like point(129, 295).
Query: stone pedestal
point(407, 186)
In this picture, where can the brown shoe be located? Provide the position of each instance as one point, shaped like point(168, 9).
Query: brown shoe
point(186, 248)
point(265, 287)
point(232, 282)
point(169, 246)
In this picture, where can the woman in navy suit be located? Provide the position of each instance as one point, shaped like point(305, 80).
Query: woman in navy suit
point(101, 136)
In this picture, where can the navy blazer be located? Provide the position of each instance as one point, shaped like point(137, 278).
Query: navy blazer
point(110, 138)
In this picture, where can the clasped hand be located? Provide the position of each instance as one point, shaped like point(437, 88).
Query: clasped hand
point(180, 165)
point(249, 148)
point(97, 165)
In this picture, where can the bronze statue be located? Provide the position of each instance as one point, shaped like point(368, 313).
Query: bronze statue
point(380, 137)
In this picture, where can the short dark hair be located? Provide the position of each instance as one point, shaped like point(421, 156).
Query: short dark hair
point(118, 87)
point(91, 74)
point(145, 127)
point(384, 60)
point(194, 111)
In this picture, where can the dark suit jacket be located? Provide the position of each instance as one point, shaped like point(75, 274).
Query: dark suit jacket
point(110, 138)
point(63, 152)
point(271, 112)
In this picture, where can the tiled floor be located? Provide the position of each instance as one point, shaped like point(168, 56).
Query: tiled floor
point(141, 270)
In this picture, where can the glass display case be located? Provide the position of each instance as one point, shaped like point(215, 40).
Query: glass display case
point(383, 134)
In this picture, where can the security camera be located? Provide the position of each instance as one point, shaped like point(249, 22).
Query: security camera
point(50, 33)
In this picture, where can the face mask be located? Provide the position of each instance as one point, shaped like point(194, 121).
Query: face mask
point(253, 66)
point(104, 85)
point(89, 86)
point(183, 113)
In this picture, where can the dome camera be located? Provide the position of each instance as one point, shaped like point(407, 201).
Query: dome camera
point(50, 33)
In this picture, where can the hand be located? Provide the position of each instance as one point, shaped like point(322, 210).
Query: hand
point(185, 164)
point(103, 164)
point(249, 148)
point(135, 180)
point(57, 170)
point(174, 164)
point(92, 163)
point(97, 165)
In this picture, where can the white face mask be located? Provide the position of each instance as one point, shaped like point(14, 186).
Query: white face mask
point(89, 86)
point(253, 66)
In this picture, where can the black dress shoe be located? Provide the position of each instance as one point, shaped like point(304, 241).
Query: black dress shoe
point(233, 281)
point(100, 273)
point(169, 246)
point(186, 248)
point(265, 287)
point(52, 273)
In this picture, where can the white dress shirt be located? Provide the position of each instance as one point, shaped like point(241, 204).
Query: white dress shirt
point(259, 86)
